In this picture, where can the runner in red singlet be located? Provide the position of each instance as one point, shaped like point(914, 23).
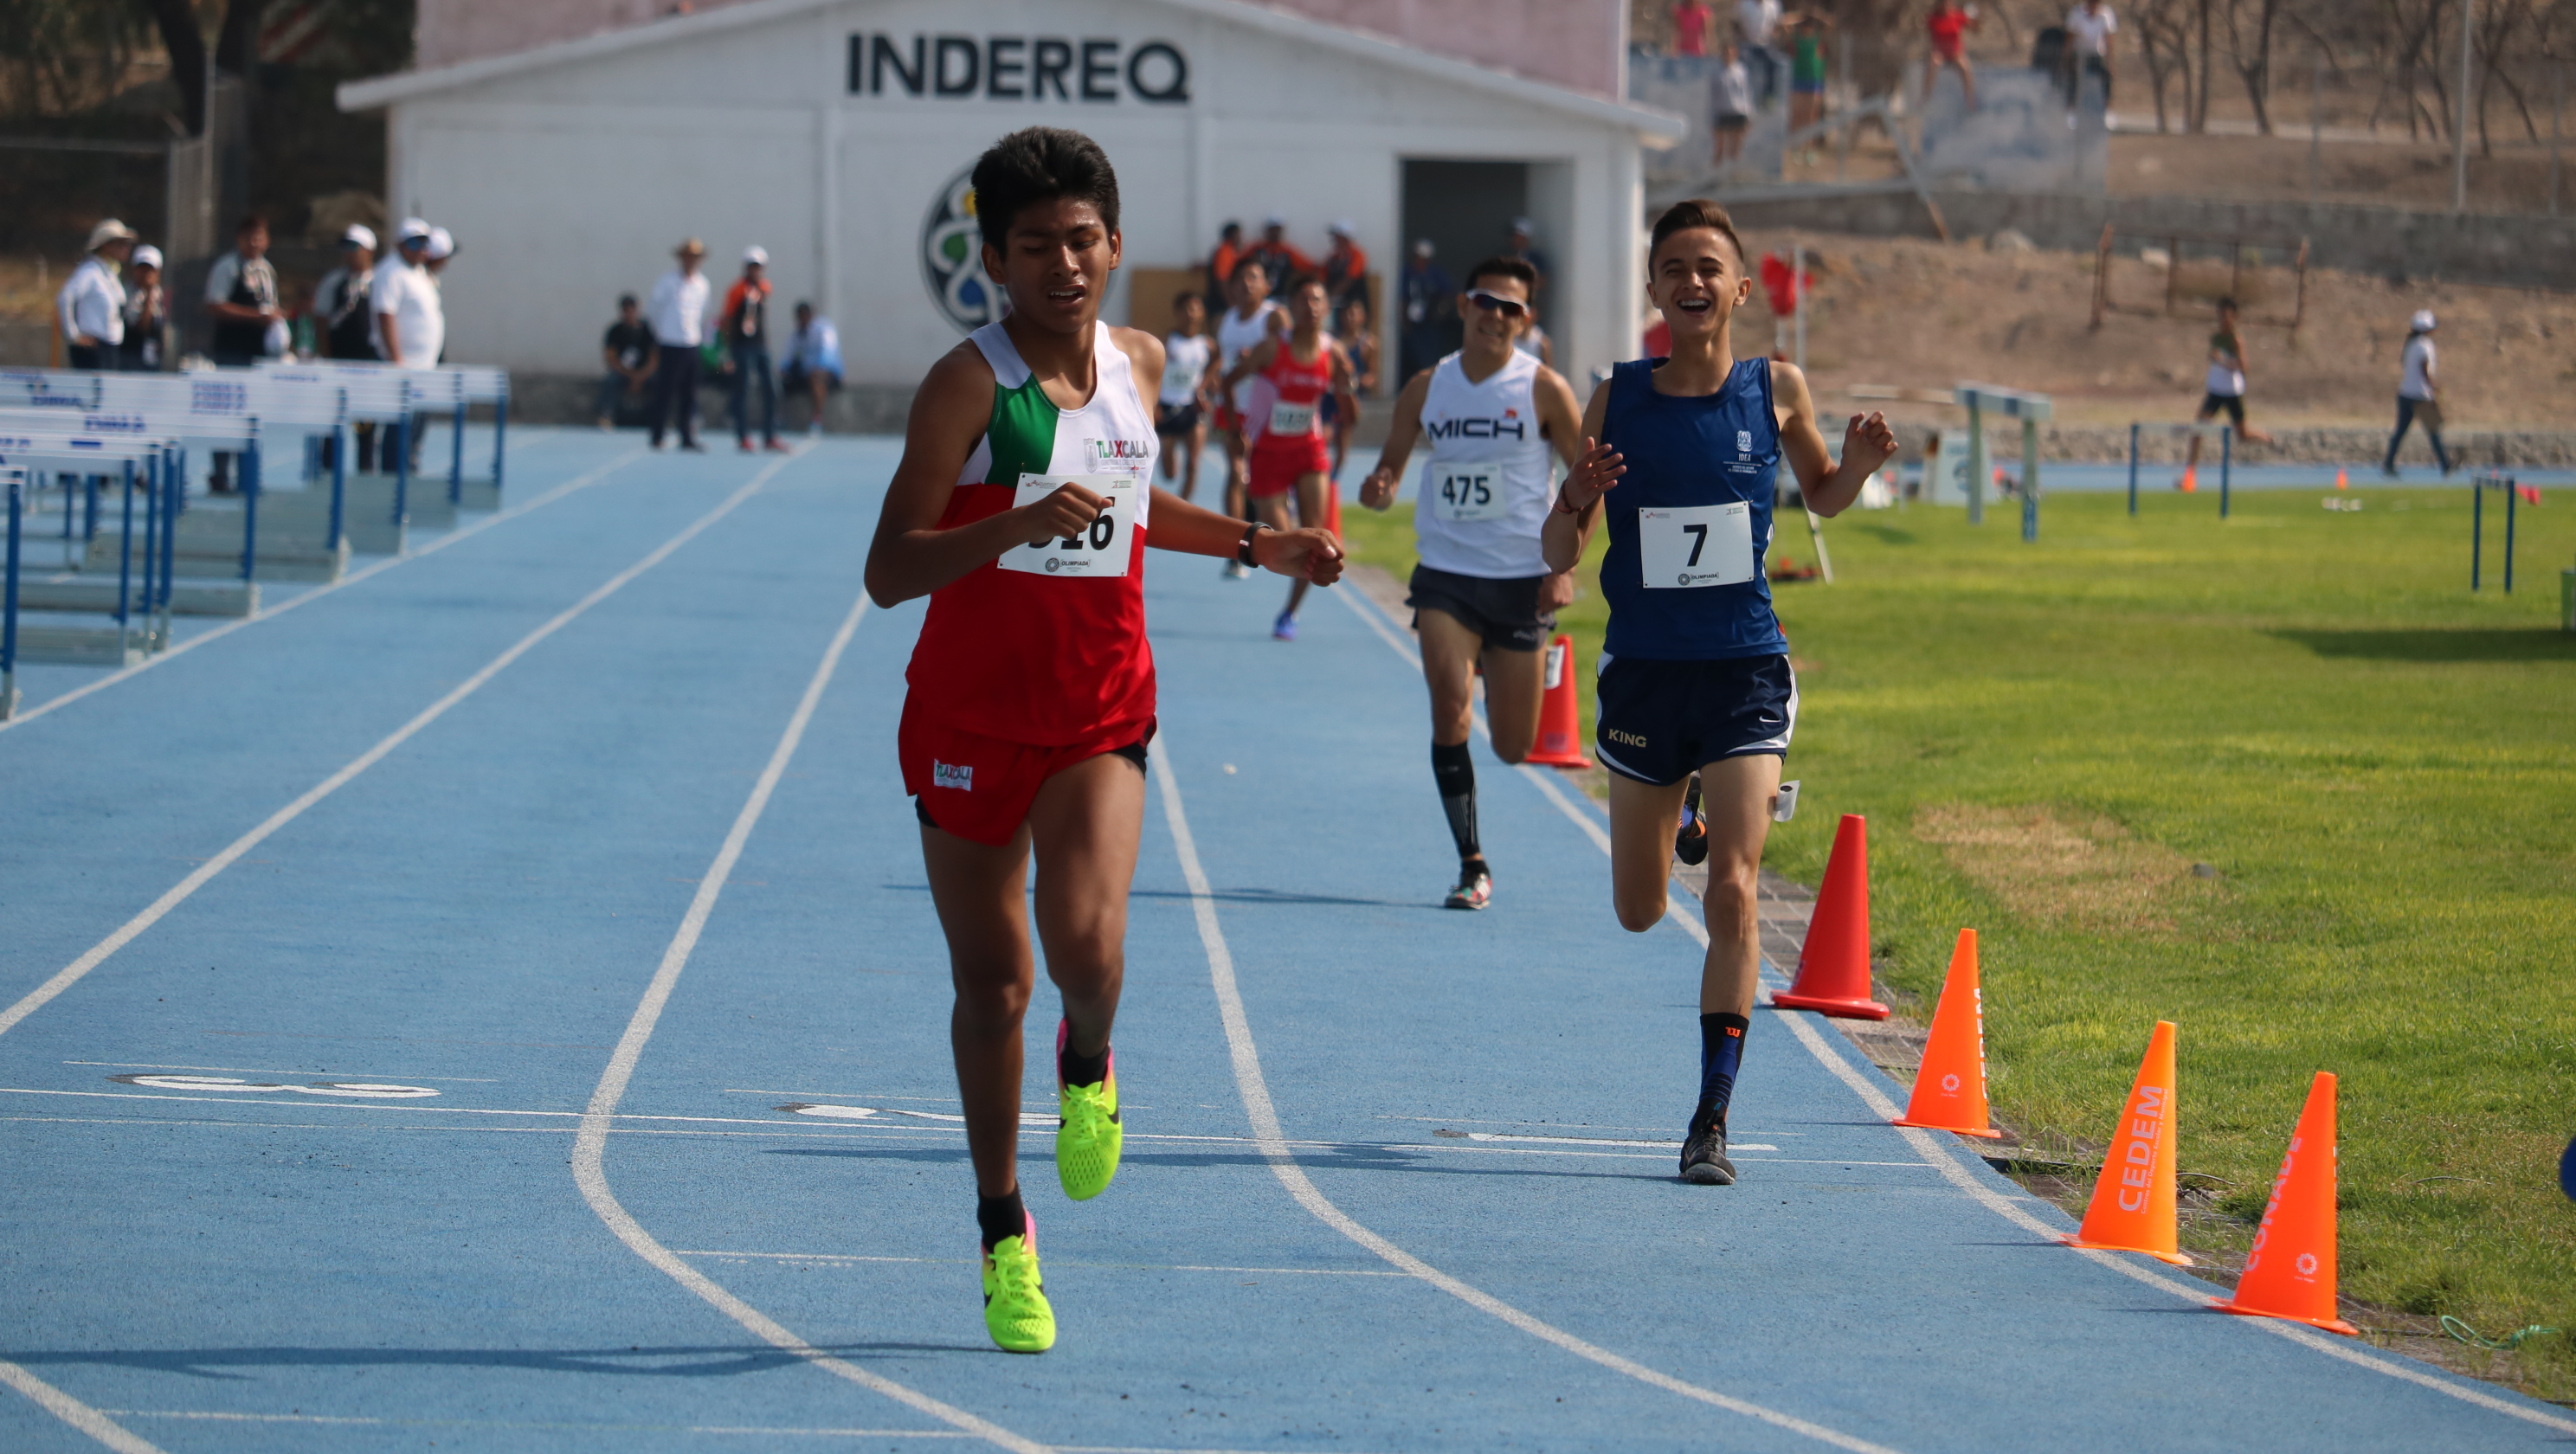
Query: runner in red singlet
point(1292, 371)
point(1021, 509)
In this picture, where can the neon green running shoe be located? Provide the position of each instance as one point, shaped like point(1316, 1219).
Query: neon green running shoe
point(1089, 1139)
point(1015, 1306)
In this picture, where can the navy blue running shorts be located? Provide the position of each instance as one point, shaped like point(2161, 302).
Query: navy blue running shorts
point(1504, 612)
point(1662, 720)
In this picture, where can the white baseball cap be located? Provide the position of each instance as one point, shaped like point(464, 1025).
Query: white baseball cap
point(2422, 322)
point(756, 254)
point(1523, 226)
point(359, 235)
point(1342, 228)
point(409, 228)
point(442, 244)
point(145, 256)
point(1274, 220)
point(1422, 247)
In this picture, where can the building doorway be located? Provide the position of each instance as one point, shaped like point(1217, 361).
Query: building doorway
point(1467, 210)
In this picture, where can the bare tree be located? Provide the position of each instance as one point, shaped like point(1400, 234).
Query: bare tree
point(2163, 28)
point(2249, 50)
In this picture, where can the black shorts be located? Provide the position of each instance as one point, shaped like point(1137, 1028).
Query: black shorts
point(1662, 720)
point(1175, 418)
point(1502, 611)
point(2232, 404)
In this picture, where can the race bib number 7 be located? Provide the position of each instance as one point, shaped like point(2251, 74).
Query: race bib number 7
point(1464, 494)
point(1101, 549)
point(1695, 546)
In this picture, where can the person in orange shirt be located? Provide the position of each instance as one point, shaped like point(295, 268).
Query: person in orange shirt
point(744, 326)
point(1280, 258)
point(1220, 267)
point(1345, 269)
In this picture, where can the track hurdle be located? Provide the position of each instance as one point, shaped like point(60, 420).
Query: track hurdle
point(14, 481)
point(2226, 457)
point(25, 451)
point(2019, 404)
point(2478, 487)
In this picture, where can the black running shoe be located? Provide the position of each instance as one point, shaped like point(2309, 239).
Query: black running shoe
point(1704, 1156)
point(1475, 888)
point(1690, 841)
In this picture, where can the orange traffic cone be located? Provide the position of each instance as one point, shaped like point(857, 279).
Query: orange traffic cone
point(1950, 1086)
point(1333, 507)
point(2190, 483)
point(2133, 1203)
point(2342, 481)
point(1560, 716)
point(2290, 1273)
point(1833, 967)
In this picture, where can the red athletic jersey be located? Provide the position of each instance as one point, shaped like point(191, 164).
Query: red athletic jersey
point(1290, 394)
point(1948, 29)
point(1016, 649)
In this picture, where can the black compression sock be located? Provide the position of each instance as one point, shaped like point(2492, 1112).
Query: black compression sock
point(1454, 770)
point(1000, 1217)
point(1721, 1053)
point(1075, 1068)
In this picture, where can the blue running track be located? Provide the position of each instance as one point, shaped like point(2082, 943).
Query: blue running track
point(496, 1005)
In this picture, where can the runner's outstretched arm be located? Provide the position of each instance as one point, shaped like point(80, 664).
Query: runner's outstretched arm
point(1378, 490)
point(1256, 358)
point(1868, 443)
point(1562, 422)
point(910, 555)
point(1344, 389)
point(1595, 472)
point(1194, 530)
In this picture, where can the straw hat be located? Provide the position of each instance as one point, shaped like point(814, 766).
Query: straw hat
point(109, 230)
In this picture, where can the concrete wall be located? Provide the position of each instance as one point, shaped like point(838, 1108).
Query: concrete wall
point(569, 183)
point(1573, 43)
point(2526, 252)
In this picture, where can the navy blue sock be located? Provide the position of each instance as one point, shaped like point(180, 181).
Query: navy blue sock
point(1721, 1053)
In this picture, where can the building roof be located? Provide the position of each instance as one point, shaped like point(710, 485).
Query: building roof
point(1653, 126)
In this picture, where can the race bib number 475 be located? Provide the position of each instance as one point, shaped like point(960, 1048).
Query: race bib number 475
point(1696, 545)
point(1101, 549)
point(1466, 493)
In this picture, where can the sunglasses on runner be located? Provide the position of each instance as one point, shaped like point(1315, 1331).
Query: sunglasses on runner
point(1497, 303)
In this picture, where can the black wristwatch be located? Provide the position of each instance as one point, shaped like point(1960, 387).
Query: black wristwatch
point(1243, 547)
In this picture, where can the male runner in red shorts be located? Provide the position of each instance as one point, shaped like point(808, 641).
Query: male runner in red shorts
point(1289, 374)
point(1021, 509)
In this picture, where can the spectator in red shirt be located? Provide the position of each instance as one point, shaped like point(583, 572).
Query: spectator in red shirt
point(1950, 23)
point(1690, 28)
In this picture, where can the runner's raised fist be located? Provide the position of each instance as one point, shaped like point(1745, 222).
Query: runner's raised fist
point(1064, 514)
point(1378, 491)
point(1313, 554)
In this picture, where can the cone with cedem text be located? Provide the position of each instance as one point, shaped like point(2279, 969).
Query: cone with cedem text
point(2133, 1203)
point(1833, 967)
point(2190, 483)
point(1950, 1085)
point(2343, 481)
point(2290, 1274)
point(1560, 715)
point(1333, 507)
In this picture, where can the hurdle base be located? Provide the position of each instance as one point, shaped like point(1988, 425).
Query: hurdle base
point(79, 646)
point(210, 598)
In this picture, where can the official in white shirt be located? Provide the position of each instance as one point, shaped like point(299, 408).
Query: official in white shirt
point(91, 305)
point(2092, 31)
point(678, 314)
point(411, 326)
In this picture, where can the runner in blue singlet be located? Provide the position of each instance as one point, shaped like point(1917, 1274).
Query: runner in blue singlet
point(1680, 455)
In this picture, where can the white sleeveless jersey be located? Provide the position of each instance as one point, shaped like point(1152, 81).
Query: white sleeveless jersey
point(1490, 481)
point(1237, 336)
point(1185, 361)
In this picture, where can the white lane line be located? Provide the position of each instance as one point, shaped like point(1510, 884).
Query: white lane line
point(215, 1416)
point(1254, 1088)
point(590, 1145)
point(1944, 1157)
point(179, 893)
point(181, 648)
point(256, 1070)
point(90, 1421)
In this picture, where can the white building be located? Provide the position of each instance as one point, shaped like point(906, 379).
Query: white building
point(838, 134)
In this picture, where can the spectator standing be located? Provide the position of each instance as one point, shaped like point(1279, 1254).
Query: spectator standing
point(1534, 341)
point(146, 313)
point(1429, 301)
point(340, 300)
point(1345, 267)
point(2092, 27)
point(2418, 394)
point(1691, 22)
point(241, 298)
point(1229, 251)
point(1948, 26)
point(1755, 20)
point(1520, 248)
point(1733, 91)
point(627, 349)
point(679, 318)
point(410, 320)
point(1279, 257)
point(1807, 67)
point(91, 304)
point(813, 361)
point(744, 326)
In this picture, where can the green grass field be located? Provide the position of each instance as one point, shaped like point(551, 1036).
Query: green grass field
point(2280, 779)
